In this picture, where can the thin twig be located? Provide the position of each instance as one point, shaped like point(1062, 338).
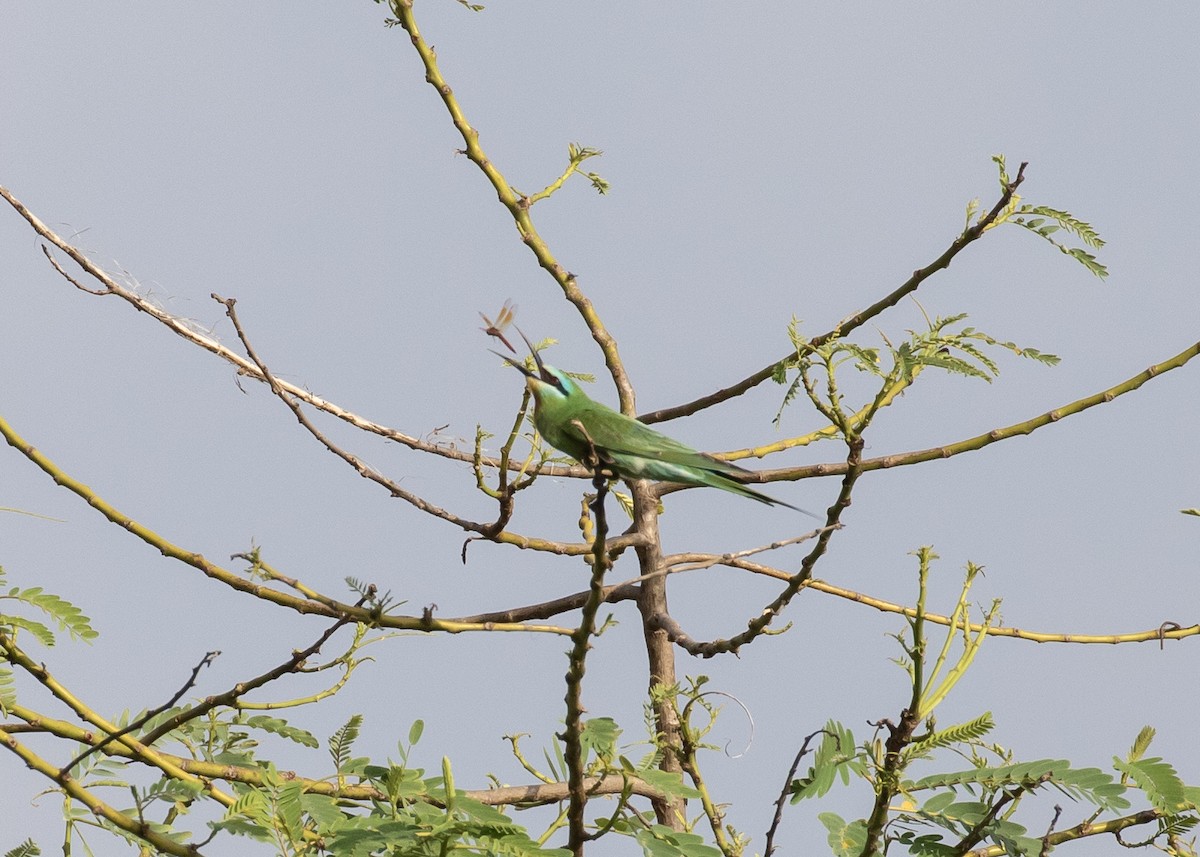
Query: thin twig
point(323, 607)
point(980, 441)
point(851, 322)
point(1045, 851)
point(760, 624)
point(362, 469)
point(518, 206)
point(149, 715)
point(783, 793)
point(229, 697)
point(1167, 631)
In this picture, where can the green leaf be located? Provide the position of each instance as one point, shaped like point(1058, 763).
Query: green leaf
point(972, 730)
point(835, 757)
point(44, 635)
point(968, 812)
point(280, 727)
point(289, 811)
point(1141, 743)
point(252, 805)
point(342, 740)
point(1063, 220)
point(669, 783)
point(1090, 784)
point(322, 809)
point(599, 735)
point(660, 841)
point(414, 731)
point(28, 848)
point(69, 617)
point(938, 802)
point(999, 162)
point(1158, 780)
point(8, 694)
point(242, 827)
point(846, 840)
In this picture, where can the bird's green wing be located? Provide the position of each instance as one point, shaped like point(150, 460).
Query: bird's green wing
point(609, 430)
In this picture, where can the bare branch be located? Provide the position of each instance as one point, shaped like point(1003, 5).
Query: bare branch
point(518, 207)
point(859, 318)
point(759, 624)
point(980, 441)
point(148, 716)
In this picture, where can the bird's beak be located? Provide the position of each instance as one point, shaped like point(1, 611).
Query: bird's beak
point(540, 375)
point(537, 358)
point(520, 367)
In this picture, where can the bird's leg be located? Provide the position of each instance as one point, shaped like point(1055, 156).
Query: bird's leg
point(593, 457)
point(600, 476)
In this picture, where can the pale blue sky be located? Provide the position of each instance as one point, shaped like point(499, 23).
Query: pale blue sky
point(786, 159)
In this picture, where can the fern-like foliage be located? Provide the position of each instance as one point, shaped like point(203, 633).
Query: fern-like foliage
point(846, 839)
point(960, 352)
point(1044, 221)
point(836, 756)
point(1141, 743)
point(1158, 781)
point(578, 154)
point(342, 740)
point(379, 603)
point(65, 614)
point(944, 345)
point(28, 848)
point(283, 729)
point(661, 840)
point(423, 820)
point(963, 733)
point(8, 694)
point(1090, 784)
point(961, 819)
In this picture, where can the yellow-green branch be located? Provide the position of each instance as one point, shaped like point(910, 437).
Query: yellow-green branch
point(980, 441)
point(517, 205)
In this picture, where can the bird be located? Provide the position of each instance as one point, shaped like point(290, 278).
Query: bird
point(617, 445)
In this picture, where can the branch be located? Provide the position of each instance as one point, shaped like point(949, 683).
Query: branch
point(760, 623)
point(15, 656)
point(581, 642)
point(491, 531)
point(888, 778)
point(787, 783)
point(1080, 831)
point(137, 827)
point(230, 697)
point(677, 563)
point(980, 441)
point(322, 606)
point(185, 329)
point(536, 794)
point(629, 589)
point(969, 235)
point(517, 205)
point(148, 716)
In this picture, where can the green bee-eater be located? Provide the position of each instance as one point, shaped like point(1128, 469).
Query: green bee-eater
point(596, 435)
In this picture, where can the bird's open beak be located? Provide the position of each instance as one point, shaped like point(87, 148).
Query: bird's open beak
point(540, 375)
point(520, 367)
